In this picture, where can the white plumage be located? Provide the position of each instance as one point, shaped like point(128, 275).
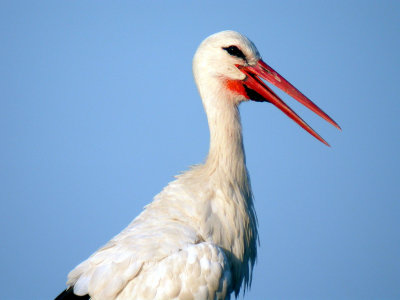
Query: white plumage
point(198, 238)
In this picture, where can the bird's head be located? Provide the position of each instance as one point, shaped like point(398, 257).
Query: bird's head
point(227, 66)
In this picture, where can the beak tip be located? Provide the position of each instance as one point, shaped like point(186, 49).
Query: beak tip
point(337, 125)
point(326, 143)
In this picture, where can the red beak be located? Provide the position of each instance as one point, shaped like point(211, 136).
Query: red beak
point(257, 90)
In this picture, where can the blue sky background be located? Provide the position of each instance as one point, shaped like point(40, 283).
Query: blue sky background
point(99, 110)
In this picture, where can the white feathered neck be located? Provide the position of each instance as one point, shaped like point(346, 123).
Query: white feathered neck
point(233, 225)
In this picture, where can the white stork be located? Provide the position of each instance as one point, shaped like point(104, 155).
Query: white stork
point(198, 238)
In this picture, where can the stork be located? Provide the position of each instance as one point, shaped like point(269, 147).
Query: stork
point(198, 238)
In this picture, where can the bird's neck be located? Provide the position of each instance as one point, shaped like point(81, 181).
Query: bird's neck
point(233, 204)
point(226, 152)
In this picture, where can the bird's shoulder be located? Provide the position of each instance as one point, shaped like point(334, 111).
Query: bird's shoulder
point(145, 240)
point(193, 271)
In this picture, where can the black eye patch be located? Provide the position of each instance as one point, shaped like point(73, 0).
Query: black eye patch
point(234, 51)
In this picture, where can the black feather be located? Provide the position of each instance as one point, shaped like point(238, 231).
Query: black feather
point(68, 294)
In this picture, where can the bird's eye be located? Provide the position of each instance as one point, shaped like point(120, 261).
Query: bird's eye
point(234, 51)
